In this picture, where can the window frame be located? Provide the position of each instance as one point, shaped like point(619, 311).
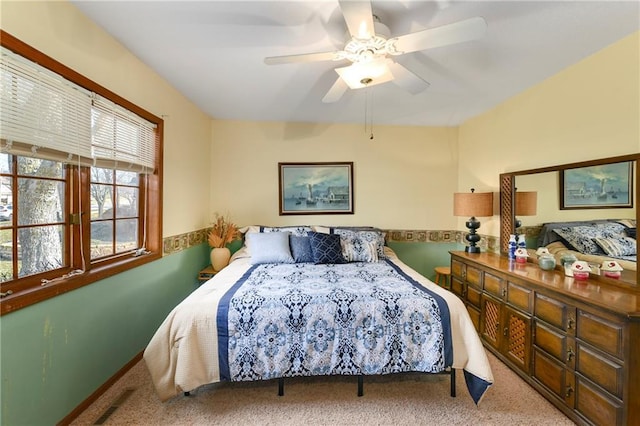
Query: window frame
point(28, 290)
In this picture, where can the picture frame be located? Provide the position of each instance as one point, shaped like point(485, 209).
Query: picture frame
point(603, 186)
point(315, 188)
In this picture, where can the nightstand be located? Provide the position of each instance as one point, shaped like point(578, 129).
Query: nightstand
point(206, 274)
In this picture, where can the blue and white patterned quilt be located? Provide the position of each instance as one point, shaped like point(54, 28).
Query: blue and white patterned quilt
point(259, 322)
point(302, 319)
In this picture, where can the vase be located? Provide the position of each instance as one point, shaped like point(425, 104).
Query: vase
point(220, 258)
point(512, 246)
point(547, 262)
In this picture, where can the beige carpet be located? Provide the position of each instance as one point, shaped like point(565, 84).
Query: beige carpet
point(409, 399)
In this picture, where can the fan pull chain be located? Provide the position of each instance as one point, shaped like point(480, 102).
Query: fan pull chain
point(371, 116)
point(368, 105)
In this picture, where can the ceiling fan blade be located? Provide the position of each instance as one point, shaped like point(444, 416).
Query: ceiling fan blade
point(337, 90)
point(406, 79)
point(304, 57)
point(458, 32)
point(359, 18)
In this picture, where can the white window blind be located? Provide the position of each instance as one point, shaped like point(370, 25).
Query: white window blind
point(46, 116)
point(41, 113)
point(121, 139)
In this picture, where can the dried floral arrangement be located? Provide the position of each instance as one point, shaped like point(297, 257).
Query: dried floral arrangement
point(223, 231)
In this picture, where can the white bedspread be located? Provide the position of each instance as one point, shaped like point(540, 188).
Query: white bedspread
point(183, 353)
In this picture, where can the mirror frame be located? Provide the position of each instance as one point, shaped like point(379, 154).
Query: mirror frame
point(507, 197)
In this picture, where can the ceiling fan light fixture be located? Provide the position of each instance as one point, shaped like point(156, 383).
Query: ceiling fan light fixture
point(360, 75)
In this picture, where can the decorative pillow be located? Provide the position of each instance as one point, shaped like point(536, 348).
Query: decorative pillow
point(631, 232)
point(356, 241)
point(326, 248)
point(300, 231)
point(581, 238)
point(301, 249)
point(359, 250)
point(629, 223)
point(617, 247)
point(270, 247)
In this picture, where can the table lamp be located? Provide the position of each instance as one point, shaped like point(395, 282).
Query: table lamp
point(473, 204)
point(526, 205)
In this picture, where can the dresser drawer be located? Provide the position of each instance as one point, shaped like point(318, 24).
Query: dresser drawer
point(601, 333)
point(552, 341)
point(458, 269)
point(493, 285)
point(601, 370)
point(474, 276)
point(520, 297)
point(457, 287)
point(473, 296)
point(549, 372)
point(555, 313)
point(596, 405)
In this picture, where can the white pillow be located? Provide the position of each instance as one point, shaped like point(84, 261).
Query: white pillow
point(269, 247)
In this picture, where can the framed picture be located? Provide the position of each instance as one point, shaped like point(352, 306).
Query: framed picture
point(603, 186)
point(316, 188)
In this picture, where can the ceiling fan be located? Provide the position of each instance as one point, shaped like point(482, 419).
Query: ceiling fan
point(371, 47)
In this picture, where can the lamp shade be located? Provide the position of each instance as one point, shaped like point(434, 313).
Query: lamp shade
point(526, 203)
point(478, 204)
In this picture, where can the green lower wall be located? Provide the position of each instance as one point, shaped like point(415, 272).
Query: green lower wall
point(58, 352)
point(424, 257)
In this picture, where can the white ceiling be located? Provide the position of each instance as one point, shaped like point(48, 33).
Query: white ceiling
point(213, 51)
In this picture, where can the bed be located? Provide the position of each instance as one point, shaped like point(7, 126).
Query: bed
point(308, 301)
point(593, 241)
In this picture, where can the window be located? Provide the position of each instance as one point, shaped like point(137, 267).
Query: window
point(34, 235)
point(115, 199)
point(80, 179)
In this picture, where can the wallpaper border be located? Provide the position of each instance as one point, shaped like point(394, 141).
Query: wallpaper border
point(177, 243)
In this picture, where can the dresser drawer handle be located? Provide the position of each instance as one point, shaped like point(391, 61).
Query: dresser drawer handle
point(570, 354)
point(504, 292)
point(505, 331)
point(570, 323)
point(568, 392)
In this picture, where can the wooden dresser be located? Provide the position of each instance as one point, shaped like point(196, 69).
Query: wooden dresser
point(576, 342)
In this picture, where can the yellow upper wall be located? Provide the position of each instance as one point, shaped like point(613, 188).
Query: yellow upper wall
point(404, 178)
point(588, 111)
point(61, 31)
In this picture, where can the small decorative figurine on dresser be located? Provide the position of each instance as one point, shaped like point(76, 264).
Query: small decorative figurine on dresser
point(611, 269)
point(546, 261)
point(581, 270)
point(521, 255)
point(566, 261)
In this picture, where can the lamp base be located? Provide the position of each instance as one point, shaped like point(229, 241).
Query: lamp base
point(472, 224)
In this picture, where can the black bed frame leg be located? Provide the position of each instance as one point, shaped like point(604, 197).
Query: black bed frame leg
point(453, 382)
point(360, 385)
point(280, 386)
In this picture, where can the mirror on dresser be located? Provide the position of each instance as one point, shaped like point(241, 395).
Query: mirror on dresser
point(546, 181)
